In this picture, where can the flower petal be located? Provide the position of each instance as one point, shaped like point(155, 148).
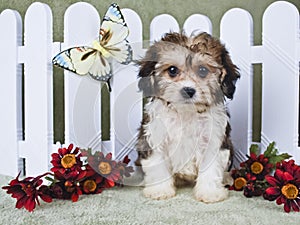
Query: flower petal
point(253, 156)
point(279, 175)
point(126, 160)
point(75, 197)
point(281, 200)
point(295, 206)
point(76, 150)
point(108, 156)
point(287, 207)
point(273, 191)
point(30, 204)
point(21, 202)
point(272, 180)
point(287, 176)
point(46, 198)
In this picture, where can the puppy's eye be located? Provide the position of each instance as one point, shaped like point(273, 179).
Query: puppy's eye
point(173, 71)
point(203, 71)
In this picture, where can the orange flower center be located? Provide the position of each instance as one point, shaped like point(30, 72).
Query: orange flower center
point(290, 191)
point(104, 168)
point(89, 186)
point(239, 183)
point(257, 167)
point(68, 161)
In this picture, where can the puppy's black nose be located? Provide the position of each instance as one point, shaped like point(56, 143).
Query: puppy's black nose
point(188, 92)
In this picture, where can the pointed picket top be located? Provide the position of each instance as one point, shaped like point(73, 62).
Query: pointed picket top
point(280, 45)
point(236, 31)
point(161, 25)
point(10, 92)
point(82, 93)
point(196, 24)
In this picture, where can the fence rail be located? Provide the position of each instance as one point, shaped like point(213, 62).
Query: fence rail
point(279, 54)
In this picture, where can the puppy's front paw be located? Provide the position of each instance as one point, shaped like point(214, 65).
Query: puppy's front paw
point(159, 192)
point(210, 195)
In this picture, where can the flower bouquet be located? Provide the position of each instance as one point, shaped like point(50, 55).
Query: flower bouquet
point(256, 177)
point(75, 172)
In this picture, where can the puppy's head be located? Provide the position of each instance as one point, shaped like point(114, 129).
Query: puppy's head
point(181, 69)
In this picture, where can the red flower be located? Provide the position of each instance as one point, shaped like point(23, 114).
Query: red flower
point(72, 177)
point(93, 183)
point(239, 180)
point(105, 166)
point(27, 191)
point(285, 185)
point(66, 162)
point(245, 181)
point(258, 166)
point(68, 188)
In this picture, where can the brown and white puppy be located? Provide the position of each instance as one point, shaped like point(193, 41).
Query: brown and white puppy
point(184, 134)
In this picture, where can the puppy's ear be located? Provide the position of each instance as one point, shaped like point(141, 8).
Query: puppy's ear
point(231, 76)
point(147, 82)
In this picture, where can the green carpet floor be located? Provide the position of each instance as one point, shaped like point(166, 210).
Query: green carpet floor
point(127, 205)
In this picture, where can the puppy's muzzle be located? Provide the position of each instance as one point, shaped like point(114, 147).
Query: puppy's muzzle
point(188, 92)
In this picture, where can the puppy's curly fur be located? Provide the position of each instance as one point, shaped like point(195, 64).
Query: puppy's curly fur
point(185, 132)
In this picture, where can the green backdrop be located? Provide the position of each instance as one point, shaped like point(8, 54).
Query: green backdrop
point(147, 9)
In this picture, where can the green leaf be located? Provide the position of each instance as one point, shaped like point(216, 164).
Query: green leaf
point(271, 150)
point(49, 179)
point(278, 158)
point(273, 154)
point(254, 149)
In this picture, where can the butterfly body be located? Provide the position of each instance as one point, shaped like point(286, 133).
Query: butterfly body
point(96, 60)
point(96, 45)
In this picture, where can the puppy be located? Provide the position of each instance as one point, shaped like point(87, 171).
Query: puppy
point(184, 135)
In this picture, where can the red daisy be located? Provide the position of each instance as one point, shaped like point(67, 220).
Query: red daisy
point(239, 179)
point(258, 166)
point(93, 182)
point(285, 185)
point(27, 191)
point(105, 166)
point(66, 162)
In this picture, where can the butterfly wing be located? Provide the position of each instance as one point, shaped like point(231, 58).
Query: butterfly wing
point(84, 60)
point(112, 44)
point(113, 34)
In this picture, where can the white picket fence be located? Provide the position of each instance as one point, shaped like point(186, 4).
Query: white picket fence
point(279, 54)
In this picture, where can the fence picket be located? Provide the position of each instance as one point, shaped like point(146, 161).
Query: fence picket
point(236, 31)
point(38, 89)
point(82, 94)
point(125, 98)
point(279, 54)
point(280, 92)
point(10, 92)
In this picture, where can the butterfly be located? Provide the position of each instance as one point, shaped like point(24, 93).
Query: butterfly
point(96, 60)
